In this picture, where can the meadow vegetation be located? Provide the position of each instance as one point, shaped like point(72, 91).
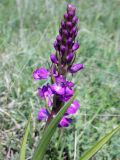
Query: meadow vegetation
point(27, 33)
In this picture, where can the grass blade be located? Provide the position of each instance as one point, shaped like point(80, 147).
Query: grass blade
point(42, 146)
point(90, 153)
point(24, 140)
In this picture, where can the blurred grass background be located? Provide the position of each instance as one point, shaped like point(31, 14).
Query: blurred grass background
point(27, 32)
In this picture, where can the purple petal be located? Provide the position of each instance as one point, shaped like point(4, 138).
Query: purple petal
point(69, 84)
point(68, 92)
point(75, 46)
point(46, 93)
point(65, 122)
point(53, 58)
point(43, 114)
point(73, 107)
point(76, 67)
point(60, 79)
point(41, 73)
point(58, 89)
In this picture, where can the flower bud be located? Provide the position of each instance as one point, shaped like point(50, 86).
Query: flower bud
point(60, 31)
point(70, 57)
point(69, 25)
point(71, 8)
point(56, 45)
point(76, 67)
point(66, 16)
point(53, 58)
point(62, 49)
point(63, 24)
point(69, 41)
point(71, 13)
point(75, 46)
point(74, 20)
point(65, 33)
point(73, 31)
point(59, 38)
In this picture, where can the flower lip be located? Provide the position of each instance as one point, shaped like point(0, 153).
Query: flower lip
point(73, 108)
point(41, 73)
point(43, 114)
point(65, 122)
point(58, 89)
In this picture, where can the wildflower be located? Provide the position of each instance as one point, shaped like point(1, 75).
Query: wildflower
point(60, 90)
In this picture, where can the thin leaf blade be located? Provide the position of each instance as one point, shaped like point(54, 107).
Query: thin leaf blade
point(91, 152)
point(42, 146)
point(24, 140)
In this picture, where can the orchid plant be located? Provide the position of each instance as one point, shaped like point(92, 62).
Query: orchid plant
point(60, 90)
point(59, 94)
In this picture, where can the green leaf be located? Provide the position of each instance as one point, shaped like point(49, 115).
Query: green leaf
point(91, 152)
point(48, 133)
point(24, 140)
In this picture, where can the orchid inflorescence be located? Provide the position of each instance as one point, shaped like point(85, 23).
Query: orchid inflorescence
point(60, 90)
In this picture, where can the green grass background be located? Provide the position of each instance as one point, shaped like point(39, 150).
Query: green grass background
point(27, 31)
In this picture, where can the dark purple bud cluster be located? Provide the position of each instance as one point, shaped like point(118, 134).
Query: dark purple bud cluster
point(60, 90)
point(65, 44)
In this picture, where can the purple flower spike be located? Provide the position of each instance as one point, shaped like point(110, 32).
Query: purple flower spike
point(41, 73)
point(65, 122)
point(58, 89)
point(76, 67)
point(73, 107)
point(75, 46)
point(43, 114)
point(53, 58)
